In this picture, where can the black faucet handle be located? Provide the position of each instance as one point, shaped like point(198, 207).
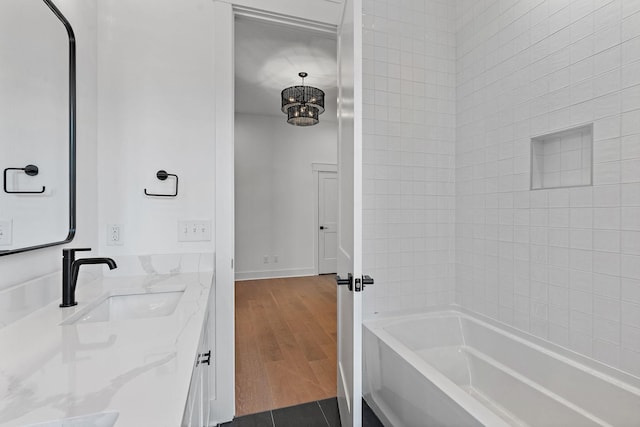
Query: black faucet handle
point(72, 251)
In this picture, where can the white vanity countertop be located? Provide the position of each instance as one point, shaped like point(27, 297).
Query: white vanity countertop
point(140, 368)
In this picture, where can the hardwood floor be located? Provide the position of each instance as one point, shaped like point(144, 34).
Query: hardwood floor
point(285, 342)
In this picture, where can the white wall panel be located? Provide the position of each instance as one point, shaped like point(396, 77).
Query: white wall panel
point(156, 111)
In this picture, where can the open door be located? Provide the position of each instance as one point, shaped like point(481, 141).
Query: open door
point(350, 214)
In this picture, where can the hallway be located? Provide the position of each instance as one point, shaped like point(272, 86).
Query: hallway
point(285, 342)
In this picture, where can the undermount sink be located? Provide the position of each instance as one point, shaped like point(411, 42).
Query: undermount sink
point(129, 306)
point(101, 419)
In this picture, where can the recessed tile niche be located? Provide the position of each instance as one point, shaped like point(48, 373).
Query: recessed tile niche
point(562, 159)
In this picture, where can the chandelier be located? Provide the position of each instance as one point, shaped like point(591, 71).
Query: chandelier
point(302, 104)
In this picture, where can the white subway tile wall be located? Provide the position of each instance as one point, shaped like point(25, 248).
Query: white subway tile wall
point(409, 149)
point(563, 264)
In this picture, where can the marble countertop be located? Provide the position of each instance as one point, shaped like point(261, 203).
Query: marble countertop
point(140, 368)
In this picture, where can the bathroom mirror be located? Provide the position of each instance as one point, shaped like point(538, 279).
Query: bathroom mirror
point(37, 126)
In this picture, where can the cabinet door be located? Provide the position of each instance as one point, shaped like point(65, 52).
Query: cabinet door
point(205, 369)
point(197, 407)
point(196, 413)
point(191, 417)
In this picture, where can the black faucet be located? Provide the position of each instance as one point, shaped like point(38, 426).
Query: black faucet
point(70, 268)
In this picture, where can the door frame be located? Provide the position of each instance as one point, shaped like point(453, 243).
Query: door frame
point(318, 16)
point(316, 169)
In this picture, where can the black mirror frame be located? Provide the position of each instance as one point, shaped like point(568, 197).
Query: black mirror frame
point(72, 138)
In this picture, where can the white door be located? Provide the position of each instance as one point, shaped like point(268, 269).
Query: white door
point(350, 213)
point(327, 222)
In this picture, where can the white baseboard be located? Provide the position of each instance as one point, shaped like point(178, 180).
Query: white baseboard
point(275, 274)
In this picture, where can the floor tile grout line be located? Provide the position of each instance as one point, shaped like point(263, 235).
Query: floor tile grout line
point(323, 414)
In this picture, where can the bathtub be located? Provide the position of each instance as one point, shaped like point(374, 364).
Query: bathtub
point(451, 368)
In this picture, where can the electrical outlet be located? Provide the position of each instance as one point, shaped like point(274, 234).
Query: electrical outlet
point(114, 235)
point(275, 259)
point(6, 232)
point(265, 259)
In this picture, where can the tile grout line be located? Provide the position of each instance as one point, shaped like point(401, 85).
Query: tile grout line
point(323, 414)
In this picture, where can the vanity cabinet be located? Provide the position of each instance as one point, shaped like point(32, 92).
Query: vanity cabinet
point(196, 412)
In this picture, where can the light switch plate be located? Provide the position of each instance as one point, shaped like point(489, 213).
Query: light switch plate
point(194, 231)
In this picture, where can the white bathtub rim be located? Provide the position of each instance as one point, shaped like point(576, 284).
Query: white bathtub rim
point(463, 399)
point(617, 377)
point(466, 402)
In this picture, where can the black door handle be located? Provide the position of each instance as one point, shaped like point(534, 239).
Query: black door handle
point(348, 281)
point(322, 227)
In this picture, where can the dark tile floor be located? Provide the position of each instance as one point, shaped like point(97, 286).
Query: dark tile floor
point(321, 413)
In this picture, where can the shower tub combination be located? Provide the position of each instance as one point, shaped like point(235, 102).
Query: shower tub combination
point(451, 368)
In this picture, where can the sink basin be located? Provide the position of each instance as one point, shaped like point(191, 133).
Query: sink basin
point(101, 419)
point(128, 306)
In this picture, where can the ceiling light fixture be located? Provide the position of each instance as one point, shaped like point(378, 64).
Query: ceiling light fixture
point(302, 104)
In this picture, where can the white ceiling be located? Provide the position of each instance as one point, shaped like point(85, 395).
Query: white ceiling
point(268, 58)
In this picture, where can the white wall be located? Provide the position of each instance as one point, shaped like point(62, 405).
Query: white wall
point(18, 268)
point(156, 111)
point(561, 264)
point(274, 191)
point(409, 138)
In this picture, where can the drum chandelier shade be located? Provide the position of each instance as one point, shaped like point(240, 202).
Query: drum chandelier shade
point(302, 104)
